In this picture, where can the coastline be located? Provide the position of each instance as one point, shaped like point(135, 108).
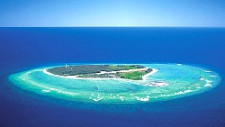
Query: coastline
point(144, 78)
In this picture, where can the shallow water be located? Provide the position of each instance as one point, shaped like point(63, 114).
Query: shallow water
point(170, 81)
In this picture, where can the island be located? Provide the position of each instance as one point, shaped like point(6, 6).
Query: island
point(116, 83)
point(131, 72)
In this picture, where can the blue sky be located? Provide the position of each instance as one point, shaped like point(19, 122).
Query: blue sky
point(78, 13)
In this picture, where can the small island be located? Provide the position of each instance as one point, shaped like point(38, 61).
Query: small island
point(116, 83)
point(131, 72)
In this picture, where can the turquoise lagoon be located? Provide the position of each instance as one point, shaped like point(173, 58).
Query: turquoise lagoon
point(169, 82)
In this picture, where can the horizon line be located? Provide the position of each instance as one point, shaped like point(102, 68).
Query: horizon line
point(112, 26)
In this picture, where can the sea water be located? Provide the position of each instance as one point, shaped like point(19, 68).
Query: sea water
point(24, 49)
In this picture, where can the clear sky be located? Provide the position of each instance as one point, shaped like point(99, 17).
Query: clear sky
point(73, 13)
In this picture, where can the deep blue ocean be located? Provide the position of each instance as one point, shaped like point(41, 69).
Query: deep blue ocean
point(27, 48)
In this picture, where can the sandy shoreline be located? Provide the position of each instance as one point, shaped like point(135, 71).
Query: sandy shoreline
point(75, 77)
point(152, 72)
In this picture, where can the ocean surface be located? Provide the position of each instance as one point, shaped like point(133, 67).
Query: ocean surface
point(22, 49)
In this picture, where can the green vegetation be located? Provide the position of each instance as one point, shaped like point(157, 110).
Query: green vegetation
point(136, 75)
point(124, 67)
point(109, 71)
point(88, 69)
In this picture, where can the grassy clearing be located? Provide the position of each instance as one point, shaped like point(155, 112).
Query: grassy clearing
point(136, 75)
point(126, 67)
